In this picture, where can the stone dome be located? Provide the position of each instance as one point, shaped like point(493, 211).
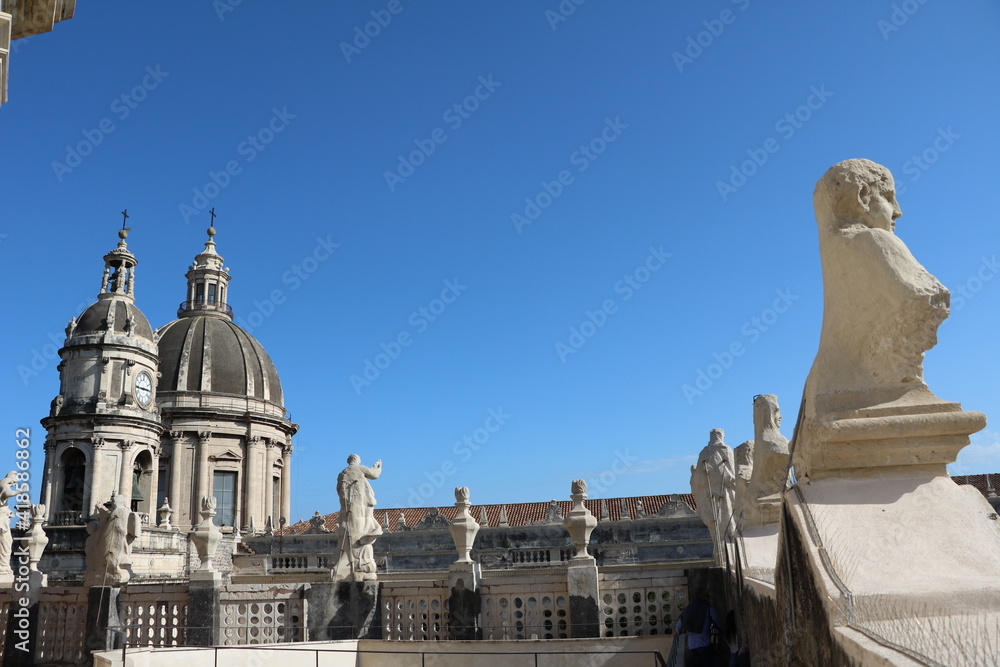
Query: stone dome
point(95, 318)
point(213, 355)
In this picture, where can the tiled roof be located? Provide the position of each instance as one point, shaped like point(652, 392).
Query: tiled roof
point(987, 484)
point(518, 514)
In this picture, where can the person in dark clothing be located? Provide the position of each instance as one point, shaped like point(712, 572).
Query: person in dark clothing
point(697, 620)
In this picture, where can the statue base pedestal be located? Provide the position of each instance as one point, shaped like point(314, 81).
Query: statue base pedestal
point(584, 598)
point(344, 610)
point(464, 601)
point(102, 614)
point(908, 435)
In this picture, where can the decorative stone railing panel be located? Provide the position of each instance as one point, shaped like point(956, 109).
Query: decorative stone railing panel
point(260, 614)
point(154, 615)
point(522, 604)
point(641, 607)
point(415, 611)
point(62, 626)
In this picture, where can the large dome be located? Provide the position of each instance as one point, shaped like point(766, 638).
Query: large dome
point(95, 318)
point(211, 354)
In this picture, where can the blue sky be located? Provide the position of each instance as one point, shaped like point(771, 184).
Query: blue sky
point(593, 208)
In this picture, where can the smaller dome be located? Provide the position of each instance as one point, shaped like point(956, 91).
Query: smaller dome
point(95, 318)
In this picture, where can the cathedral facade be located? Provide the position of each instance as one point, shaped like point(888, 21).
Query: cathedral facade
point(168, 416)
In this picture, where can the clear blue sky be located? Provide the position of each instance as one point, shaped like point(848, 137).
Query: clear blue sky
point(618, 123)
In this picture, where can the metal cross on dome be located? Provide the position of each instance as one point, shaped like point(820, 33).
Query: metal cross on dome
point(212, 213)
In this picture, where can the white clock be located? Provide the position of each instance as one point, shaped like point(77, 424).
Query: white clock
point(143, 388)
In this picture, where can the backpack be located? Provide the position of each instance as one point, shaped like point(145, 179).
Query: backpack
point(693, 617)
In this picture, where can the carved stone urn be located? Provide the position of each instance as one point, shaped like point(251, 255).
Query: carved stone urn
point(580, 522)
point(206, 536)
point(464, 528)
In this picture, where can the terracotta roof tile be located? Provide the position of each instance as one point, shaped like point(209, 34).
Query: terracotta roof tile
point(518, 514)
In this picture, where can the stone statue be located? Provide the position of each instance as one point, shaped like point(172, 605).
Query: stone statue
point(71, 327)
point(356, 525)
point(713, 484)
point(882, 308)
point(109, 545)
point(865, 400)
point(743, 456)
point(770, 470)
point(6, 544)
point(8, 487)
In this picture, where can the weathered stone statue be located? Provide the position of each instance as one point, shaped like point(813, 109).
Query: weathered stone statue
point(356, 526)
point(881, 307)
point(108, 550)
point(713, 484)
point(770, 469)
point(8, 487)
point(744, 470)
point(6, 544)
point(881, 313)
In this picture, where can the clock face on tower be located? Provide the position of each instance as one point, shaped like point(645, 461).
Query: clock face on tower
point(143, 388)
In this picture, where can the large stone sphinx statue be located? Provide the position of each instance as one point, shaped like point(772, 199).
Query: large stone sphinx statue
point(112, 530)
point(881, 313)
point(713, 484)
point(356, 525)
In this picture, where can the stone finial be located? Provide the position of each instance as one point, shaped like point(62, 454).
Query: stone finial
point(206, 537)
point(640, 511)
point(108, 550)
point(269, 526)
point(713, 484)
point(165, 513)
point(484, 519)
point(252, 529)
point(580, 522)
point(37, 539)
point(464, 528)
point(401, 522)
point(605, 515)
point(626, 514)
point(503, 517)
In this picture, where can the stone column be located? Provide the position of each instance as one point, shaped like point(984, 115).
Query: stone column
point(464, 574)
point(125, 473)
point(154, 480)
point(286, 483)
point(177, 472)
point(581, 574)
point(253, 480)
point(269, 458)
point(203, 489)
point(50, 471)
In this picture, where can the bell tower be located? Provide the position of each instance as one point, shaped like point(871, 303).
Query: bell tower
point(103, 428)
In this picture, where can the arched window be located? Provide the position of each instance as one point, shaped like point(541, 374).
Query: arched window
point(74, 481)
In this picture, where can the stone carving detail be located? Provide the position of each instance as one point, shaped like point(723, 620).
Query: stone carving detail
point(553, 514)
point(317, 525)
point(503, 522)
point(112, 530)
point(882, 308)
point(206, 537)
point(744, 471)
point(357, 528)
point(713, 484)
point(37, 539)
point(580, 522)
point(464, 528)
point(165, 513)
point(770, 467)
point(675, 508)
point(865, 401)
point(433, 520)
point(8, 487)
point(6, 545)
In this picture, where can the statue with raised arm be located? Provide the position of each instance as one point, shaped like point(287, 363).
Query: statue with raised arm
point(356, 525)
